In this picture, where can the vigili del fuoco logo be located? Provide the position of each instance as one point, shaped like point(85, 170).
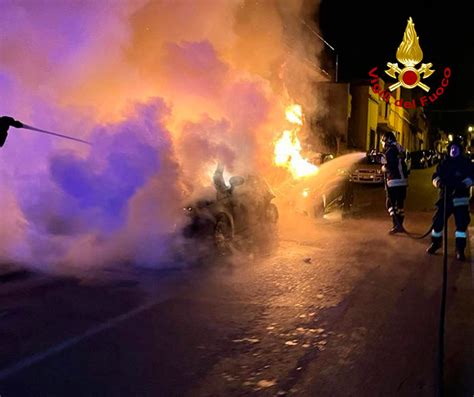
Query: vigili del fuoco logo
point(409, 54)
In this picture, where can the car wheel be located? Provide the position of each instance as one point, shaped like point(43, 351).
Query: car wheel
point(223, 235)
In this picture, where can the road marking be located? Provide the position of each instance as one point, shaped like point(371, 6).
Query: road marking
point(68, 343)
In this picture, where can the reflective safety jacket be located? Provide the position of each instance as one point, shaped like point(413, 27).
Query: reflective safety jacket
point(395, 169)
point(456, 175)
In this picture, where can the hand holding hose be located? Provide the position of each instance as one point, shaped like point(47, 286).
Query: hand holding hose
point(6, 122)
point(438, 183)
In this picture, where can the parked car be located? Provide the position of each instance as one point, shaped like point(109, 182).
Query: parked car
point(369, 169)
point(335, 194)
point(471, 156)
point(419, 159)
point(330, 190)
point(436, 156)
point(429, 157)
point(234, 220)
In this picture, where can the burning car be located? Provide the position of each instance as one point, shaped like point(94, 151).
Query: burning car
point(238, 217)
point(331, 194)
point(331, 189)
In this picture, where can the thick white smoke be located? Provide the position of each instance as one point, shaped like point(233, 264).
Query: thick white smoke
point(163, 89)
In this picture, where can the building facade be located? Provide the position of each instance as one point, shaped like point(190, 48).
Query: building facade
point(371, 116)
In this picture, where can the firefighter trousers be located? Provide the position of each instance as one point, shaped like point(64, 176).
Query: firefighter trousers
point(459, 207)
point(395, 201)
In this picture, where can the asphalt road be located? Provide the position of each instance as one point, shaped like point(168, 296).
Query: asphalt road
point(339, 308)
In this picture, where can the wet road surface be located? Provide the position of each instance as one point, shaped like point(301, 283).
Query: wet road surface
point(339, 308)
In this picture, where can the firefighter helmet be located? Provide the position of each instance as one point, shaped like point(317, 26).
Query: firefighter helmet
point(458, 141)
point(388, 137)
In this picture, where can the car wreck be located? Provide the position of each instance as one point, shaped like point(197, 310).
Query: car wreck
point(241, 215)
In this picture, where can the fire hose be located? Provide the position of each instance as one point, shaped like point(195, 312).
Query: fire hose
point(442, 312)
point(402, 228)
point(413, 235)
point(29, 127)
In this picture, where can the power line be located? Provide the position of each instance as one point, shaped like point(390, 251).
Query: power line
point(304, 59)
point(325, 42)
point(317, 34)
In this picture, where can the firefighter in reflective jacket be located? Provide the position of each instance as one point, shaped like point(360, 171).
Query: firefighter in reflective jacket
point(455, 175)
point(396, 180)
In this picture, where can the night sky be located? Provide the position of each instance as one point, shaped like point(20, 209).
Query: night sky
point(368, 33)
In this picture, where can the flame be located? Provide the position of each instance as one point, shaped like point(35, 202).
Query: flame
point(294, 114)
point(409, 52)
point(288, 147)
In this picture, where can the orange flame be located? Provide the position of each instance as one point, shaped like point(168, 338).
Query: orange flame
point(288, 147)
point(294, 114)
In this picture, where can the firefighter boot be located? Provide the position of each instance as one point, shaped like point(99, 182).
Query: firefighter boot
point(435, 245)
point(401, 218)
point(460, 245)
point(397, 225)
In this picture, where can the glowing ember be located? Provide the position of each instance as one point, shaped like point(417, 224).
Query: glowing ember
point(288, 147)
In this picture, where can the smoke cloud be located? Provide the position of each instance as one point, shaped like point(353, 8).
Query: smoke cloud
point(163, 89)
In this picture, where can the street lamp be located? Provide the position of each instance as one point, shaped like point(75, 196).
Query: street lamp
point(470, 128)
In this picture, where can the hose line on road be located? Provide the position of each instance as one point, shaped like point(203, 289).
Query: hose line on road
point(401, 227)
point(442, 312)
point(416, 236)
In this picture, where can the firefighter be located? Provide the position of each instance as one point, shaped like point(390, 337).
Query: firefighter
point(5, 123)
point(396, 180)
point(455, 175)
